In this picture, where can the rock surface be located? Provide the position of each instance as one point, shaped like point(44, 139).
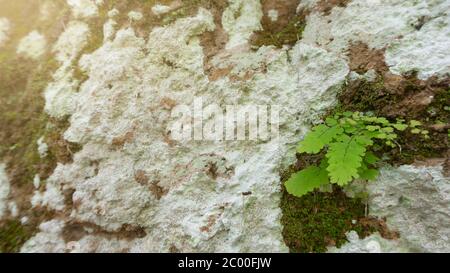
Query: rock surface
point(134, 188)
point(372, 244)
point(416, 202)
point(414, 33)
point(158, 185)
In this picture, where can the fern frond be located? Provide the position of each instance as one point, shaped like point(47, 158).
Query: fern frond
point(344, 159)
point(347, 139)
point(307, 180)
point(320, 136)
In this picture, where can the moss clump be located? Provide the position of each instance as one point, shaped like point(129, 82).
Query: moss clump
point(318, 220)
point(364, 95)
point(13, 235)
point(288, 35)
point(439, 110)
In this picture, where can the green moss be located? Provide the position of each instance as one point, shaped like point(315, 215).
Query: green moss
point(318, 220)
point(365, 96)
point(288, 35)
point(22, 116)
point(439, 110)
point(13, 235)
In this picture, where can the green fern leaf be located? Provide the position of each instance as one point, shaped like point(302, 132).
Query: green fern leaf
point(344, 159)
point(307, 180)
point(320, 136)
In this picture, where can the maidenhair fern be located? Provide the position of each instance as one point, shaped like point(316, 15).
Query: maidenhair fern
point(346, 139)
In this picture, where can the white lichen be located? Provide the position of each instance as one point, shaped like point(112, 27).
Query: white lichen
point(84, 8)
point(113, 13)
point(425, 51)
point(392, 24)
point(33, 45)
point(5, 27)
point(4, 190)
point(24, 220)
point(46, 9)
point(13, 209)
point(42, 148)
point(160, 9)
point(36, 181)
point(60, 93)
point(273, 15)
point(49, 239)
point(128, 78)
point(52, 198)
point(135, 16)
point(240, 19)
point(109, 29)
point(372, 244)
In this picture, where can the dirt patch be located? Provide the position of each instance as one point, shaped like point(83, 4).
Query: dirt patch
point(174, 249)
point(75, 231)
point(211, 221)
point(326, 6)
point(380, 225)
point(119, 142)
point(362, 58)
point(141, 177)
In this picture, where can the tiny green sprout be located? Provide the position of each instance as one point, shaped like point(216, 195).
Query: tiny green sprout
point(347, 140)
point(414, 123)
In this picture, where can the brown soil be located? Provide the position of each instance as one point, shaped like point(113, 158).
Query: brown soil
point(362, 58)
point(326, 6)
point(75, 231)
point(141, 177)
